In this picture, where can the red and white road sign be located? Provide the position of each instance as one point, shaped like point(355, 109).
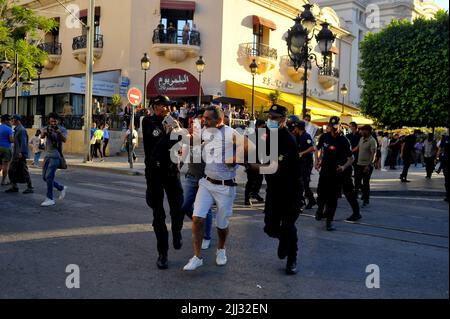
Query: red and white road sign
point(134, 96)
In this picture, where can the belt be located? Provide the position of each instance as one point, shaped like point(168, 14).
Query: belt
point(228, 182)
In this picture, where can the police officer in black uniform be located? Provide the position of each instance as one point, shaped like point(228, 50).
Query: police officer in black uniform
point(334, 159)
point(162, 175)
point(306, 148)
point(283, 204)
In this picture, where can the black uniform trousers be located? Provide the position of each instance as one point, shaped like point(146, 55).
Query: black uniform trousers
point(158, 181)
point(329, 188)
point(254, 183)
point(306, 169)
point(280, 218)
point(406, 164)
point(446, 171)
point(429, 163)
point(362, 181)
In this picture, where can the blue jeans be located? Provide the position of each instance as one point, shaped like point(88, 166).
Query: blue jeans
point(190, 191)
point(48, 174)
point(37, 156)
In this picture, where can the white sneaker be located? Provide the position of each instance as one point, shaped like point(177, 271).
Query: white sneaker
point(205, 244)
point(221, 259)
point(48, 202)
point(193, 264)
point(62, 195)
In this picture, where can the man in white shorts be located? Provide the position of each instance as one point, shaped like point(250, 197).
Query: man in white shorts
point(219, 184)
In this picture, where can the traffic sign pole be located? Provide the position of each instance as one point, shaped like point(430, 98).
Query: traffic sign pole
point(135, 98)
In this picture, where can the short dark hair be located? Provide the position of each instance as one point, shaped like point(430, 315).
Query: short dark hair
point(53, 115)
point(218, 112)
point(353, 124)
point(367, 128)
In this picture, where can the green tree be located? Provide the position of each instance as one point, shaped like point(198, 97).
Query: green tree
point(21, 30)
point(405, 73)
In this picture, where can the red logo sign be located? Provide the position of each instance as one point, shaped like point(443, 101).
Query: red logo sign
point(173, 83)
point(134, 96)
point(332, 147)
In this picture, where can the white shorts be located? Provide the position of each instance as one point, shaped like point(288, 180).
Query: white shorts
point(223, 196)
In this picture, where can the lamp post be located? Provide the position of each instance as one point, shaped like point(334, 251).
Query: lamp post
point(200, 68)
point(298, 40)
point(145, 66)
point(344, 92)
point(39, 109)
point(254, 69)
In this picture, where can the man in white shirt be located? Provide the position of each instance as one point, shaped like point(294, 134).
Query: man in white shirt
point(218, 186)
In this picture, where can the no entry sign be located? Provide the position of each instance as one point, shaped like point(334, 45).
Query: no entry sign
point(134, 96)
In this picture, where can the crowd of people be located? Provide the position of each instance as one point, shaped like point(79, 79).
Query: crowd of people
point(345, 162)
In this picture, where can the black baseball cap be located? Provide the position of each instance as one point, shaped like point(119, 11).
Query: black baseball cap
point(162, 100)
point(277, 110)
point(17, 117)
point(294, 122)
point(334, 122)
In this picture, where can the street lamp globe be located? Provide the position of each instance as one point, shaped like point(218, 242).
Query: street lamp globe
point(200, 65)
point(254, 67)
point(344, 90)
point(308, 19)
point(28, 81)
point(5, 63)
point(296, 37)
point(145, 62)
point(325, 39)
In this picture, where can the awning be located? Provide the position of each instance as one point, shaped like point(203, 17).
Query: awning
point(265, 22)
point(178, 5)
point(320, 110)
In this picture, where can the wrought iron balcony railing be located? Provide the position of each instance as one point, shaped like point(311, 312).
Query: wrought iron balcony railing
point(259, 50)
point(52, 48)
point(174, 36)
point(329, 71)
point(80, 42)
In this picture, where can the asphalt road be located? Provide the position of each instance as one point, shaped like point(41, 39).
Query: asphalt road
point(104, 227)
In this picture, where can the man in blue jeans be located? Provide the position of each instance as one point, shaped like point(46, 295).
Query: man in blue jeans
point(56, 135)
point(196, 171)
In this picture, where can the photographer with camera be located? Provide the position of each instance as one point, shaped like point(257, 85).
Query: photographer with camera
point(56, 135)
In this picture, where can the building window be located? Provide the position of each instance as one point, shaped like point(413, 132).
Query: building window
point(175, 21)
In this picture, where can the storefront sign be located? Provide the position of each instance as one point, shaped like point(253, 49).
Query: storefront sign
point(277, 83)
point(173, 83)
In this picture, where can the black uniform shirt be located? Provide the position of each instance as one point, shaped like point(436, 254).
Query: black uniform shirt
point(288, 161)
point(336, 151)
point(304, 142)
point(157, 144)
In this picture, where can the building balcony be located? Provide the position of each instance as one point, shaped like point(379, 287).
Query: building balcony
point(54, 53)
point(296, 75)
point(176, 45)
point(328, 78)
point(79, 47)
point(265, 56)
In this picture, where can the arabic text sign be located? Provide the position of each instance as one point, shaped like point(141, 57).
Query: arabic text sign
point(174, 83)
point(134, 96)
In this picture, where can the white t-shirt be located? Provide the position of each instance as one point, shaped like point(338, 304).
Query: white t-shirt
point(135, 136)
point(385, 144)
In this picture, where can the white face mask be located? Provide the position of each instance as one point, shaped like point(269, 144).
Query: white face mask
point(272, 124)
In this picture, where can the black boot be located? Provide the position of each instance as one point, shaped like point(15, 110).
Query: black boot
point(177, 240)
point(258, 198)
point(163, 262)
point(291, 266)
point(247, 201)
point(319, 215)
point(282, 254)
point(330, 226)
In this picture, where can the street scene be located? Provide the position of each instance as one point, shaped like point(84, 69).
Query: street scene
point(244, 150)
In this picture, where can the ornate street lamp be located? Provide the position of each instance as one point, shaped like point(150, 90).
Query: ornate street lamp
point(254, 69)
point(145, 66)
point(200, 68)
point(344, 92)
point(298, 40)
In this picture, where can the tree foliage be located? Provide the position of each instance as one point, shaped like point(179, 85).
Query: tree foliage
point(405, 72)
point(21, 30)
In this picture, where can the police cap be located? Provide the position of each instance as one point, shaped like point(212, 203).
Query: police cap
point(162, 100)
point(334, 122)
point(277, 110)
point(294, 122)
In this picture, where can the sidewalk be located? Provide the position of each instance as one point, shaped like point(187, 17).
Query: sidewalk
point(382, 182)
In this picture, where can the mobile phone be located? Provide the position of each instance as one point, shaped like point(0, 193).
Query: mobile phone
point(169, 121)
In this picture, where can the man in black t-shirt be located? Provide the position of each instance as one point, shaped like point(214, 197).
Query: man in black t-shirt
point(334, 159)
point(407, 154)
